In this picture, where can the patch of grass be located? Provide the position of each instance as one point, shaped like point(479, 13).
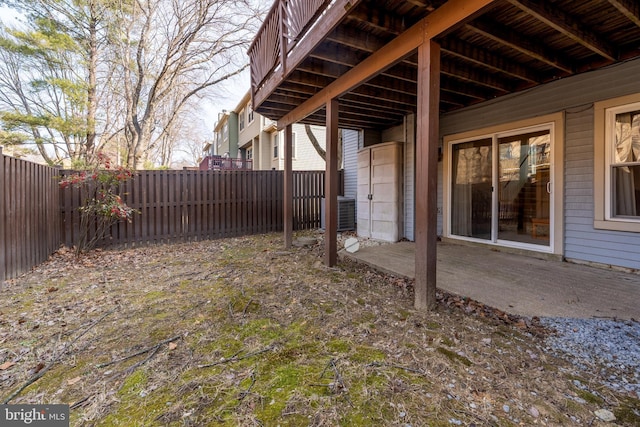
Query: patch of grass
point(366, 354)
point(446, 341)
point(265, 329)
point(137, 407)
point(453, 356)
point(284, 380)
point(628, 412)
point(590, 397)
point(338, 346)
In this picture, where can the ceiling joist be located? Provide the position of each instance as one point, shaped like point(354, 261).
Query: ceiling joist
point(564, 23)
point(629, 8)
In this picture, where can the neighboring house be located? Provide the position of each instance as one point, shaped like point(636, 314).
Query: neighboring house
point(507, 124)
point(260, 141)
point(226, 135)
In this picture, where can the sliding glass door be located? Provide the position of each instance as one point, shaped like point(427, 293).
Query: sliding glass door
point(471, 197)
point(500, 188)
point(524, 187)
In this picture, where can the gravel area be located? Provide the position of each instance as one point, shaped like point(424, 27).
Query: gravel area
point(609, 348)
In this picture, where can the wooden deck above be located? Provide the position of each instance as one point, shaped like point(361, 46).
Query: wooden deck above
point(512, 45)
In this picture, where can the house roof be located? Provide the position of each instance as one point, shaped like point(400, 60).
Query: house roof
point(243, 102)
point(222, 119)
point(512, 45)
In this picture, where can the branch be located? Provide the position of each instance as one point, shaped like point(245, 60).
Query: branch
point(393, 365)
point(138, 353)
point(53, 361)
point(314, 141)
point(236, 358)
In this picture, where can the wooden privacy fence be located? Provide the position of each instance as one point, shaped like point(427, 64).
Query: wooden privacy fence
point(29, 215)
point(175, 206)
point(184, 205)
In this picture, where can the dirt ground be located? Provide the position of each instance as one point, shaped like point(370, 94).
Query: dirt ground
point(240, 332)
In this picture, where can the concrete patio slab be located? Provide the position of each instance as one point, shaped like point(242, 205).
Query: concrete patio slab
point(517, 284)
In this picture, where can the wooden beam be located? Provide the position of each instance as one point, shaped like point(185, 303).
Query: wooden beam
point(376, 18)
point(507, 37)
point(464, 89)
point(487, 59)
point(351, 37)
point(564, 23)
point(325, 24)
point(630, 9)
point(288, 188)
point(444, 19)
point(331, 186)
point(473, 75)
point(426, 178)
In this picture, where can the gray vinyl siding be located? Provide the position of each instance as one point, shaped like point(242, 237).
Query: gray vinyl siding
point(575, 97)
point(582, 241)
point(350, 162)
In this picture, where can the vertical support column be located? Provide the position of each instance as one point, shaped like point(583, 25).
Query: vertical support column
point(331, 186)
point(288, 188)
point(427, 173)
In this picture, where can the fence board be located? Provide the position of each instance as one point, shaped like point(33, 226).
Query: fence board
point(30, 214)
point(174, 206)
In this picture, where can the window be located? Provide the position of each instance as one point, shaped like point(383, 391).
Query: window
point(617, 174)
point(249, 113)
point(241, 115)
point(293, 145)
point(225, 131)
point(249, 153)
point(275, 145)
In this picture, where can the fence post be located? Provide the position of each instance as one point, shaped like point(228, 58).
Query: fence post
point(3, 217)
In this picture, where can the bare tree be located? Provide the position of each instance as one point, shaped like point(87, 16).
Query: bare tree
point(118, 75)
point(172, 52)
point(321, 151)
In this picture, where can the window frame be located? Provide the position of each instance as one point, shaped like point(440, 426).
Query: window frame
point(604, 134)
point(276, 146)
point(293, 145)
point(241, 123)
point(554, 121)
point(249, 113)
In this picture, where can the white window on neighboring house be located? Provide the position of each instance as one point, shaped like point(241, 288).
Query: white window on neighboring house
point(617, 195)
point(293, 145)
point(225, 131)
point(249, 153)
point(275, 145)
point(241, 118)
point(249, 113)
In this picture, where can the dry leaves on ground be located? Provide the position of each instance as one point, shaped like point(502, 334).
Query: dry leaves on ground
point(242, 332)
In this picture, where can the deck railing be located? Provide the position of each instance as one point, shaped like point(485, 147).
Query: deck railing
point(284, 26)
point(213, 163)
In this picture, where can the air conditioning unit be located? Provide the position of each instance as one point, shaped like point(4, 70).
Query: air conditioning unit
point(346, 214)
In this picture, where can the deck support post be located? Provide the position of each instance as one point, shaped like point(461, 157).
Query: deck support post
point(427, 173)
point(288, 187)
point(331, 186)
